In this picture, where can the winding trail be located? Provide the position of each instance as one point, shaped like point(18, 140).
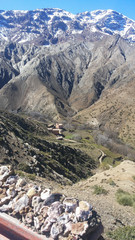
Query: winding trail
point(102, 156)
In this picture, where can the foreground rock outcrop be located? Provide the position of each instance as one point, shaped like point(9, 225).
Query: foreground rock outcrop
point(51, 214)
point(114, 215)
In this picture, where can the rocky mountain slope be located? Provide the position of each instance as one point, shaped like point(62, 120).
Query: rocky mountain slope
point(63, 79)
point(49, 26)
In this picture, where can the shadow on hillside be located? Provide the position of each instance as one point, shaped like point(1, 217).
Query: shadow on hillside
point(101, 238)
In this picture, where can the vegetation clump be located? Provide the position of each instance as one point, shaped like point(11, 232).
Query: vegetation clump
point(99, 190)
point(111, 182)
point(133, 177)
point(124, 198)
point(123, 233)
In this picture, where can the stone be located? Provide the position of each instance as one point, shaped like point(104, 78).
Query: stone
point(38, 207)
point(29, 218)
point(5, 200)
point(11, 192)
point(44, 211)
point(38, 222)
point(25, 210)
point(10, 180)
point(83, 211)
point(63, 218)
point(6, 207)
point(45, 194)
point(20, 183)
point(70, 204)
point(4, 173)
point(56, 208)
point(67, 229)
point(35, 201)
point(32, 192)
point(2, 193)
point(4, 169)
point(56, 230)
point(53, 198)
point(79, 228)
point(23, 202)
point(46, 227)
point(48, 213)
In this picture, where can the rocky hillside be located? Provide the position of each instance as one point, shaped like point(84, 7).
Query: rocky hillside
point(23, 144)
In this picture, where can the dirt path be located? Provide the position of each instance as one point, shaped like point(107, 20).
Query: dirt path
point(102, 156)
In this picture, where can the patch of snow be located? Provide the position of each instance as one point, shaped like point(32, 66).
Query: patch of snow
point(59, 32)
point(77, 31)
point(20, 12)
point(4, 37)
point(93, 29)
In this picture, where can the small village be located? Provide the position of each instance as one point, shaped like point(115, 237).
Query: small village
point(57, 130)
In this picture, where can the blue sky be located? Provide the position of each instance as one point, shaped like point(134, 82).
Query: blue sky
point(126, 7)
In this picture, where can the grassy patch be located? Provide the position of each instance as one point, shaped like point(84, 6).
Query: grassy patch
point(104, 166)
point(111, 182)
point(133, 177)
point(31, 176)
point(24, 167)
point(69, 136)
point(99, 190)
point(20, 173)
point(125, 198)
point(28, 175)
point(123, 233)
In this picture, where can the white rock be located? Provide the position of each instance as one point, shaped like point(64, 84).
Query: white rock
point(21, 182)
point(36, 200)
point(63, 218)
point(10, 180)
point(56, 230)
point(56, 208)
point(11, 192)
point(45, 194)
point(5, 200)
point(4, 173)
point(83, 211)
point(21, 203)
point(70, 204)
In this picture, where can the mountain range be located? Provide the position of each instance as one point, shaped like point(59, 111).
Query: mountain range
point(50, 26)
point(58, 64)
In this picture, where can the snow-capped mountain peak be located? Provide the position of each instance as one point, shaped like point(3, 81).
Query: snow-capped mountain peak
point(50, 25)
